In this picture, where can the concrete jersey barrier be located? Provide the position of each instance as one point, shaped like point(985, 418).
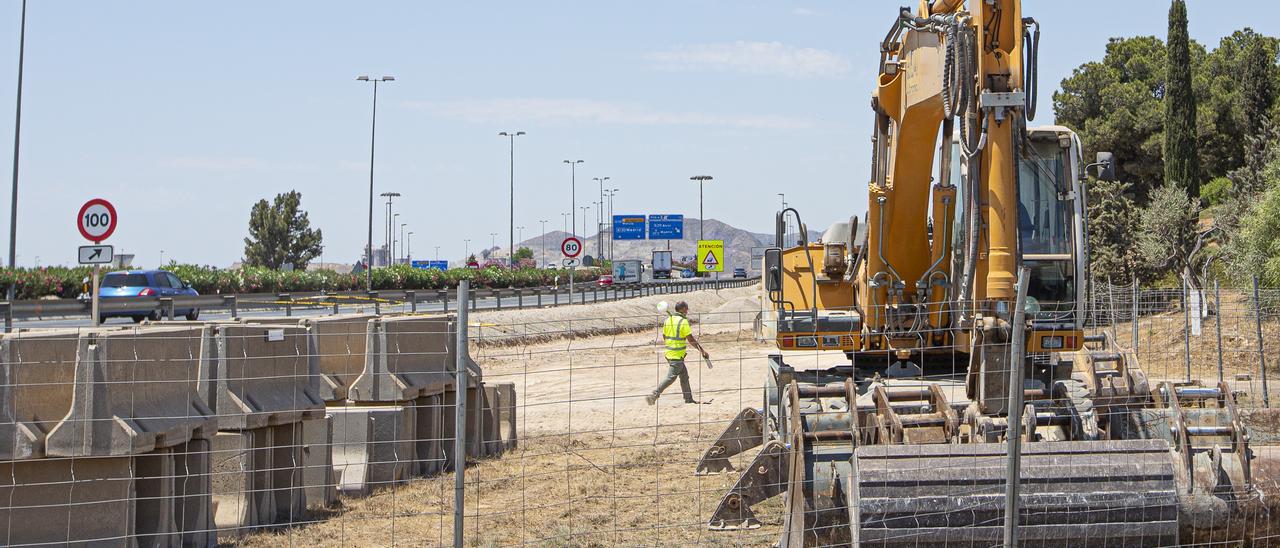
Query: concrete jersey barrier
point(259, 375)
point(100, 393)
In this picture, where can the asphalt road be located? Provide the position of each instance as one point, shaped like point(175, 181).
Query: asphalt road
point(487, 303)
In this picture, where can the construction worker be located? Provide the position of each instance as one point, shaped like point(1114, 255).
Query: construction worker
point(677, 334)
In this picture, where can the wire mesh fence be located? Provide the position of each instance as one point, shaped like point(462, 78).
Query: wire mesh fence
point(343, 430)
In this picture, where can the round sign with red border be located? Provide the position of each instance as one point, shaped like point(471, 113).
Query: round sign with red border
point(96, 220)
point(571, 247)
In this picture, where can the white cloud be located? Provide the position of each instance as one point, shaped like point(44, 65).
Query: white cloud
point(753, 58)
point(586, 111)
point(803, 12)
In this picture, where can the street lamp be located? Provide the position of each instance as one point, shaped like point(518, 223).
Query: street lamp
point(520, 235)
point(373, 133)
point(511, 241)
point(700, 179)
point(600, 215)
point(786, 226)
point(493, 245)
point(408, 254)
point(564, 218)
point(573, 192)
point(466, 250)
point(609, 221)
point(387, 240)
point(402, 242)
point(544, 240)
point(17, 134)
point(585, 209)
point(437, 253)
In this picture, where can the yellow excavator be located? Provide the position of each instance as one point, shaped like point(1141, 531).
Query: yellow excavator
point(959, 303)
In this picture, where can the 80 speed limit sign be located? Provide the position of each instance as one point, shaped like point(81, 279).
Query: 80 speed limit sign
point(96, 220)
point(571, 247)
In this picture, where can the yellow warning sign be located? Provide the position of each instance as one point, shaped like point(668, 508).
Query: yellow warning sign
point(710, 255)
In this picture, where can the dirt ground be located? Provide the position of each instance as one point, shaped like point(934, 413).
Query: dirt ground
point(596, 465)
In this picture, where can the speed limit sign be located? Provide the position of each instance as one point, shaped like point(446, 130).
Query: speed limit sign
point(571, 247)
point(97, 220)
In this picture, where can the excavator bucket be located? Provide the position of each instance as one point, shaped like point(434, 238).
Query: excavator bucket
point(744, 432)
point(1096, 493)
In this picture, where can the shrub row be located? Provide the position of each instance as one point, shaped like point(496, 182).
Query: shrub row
point(63, 282)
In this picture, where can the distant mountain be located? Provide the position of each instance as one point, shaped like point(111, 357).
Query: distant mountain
point(740, 245)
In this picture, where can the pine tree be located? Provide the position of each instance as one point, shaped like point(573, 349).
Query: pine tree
point(280, 234)
point(1181, 158)
point(1257, 87)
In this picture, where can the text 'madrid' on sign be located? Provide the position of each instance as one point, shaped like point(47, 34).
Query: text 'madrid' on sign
point(628, 227)
point(666, 227)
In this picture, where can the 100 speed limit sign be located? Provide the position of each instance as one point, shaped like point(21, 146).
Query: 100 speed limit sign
point(97, 220)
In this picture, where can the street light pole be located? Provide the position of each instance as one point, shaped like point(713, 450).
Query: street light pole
point(408, 251)
point(373, 134)
point(511, 241)
point(700, 179)
point(387, 241)
point(573, 192)
point(402, 242)
point(600, 215)
point(466, 250)
point(437, 253)
point(493, 243)
point(786, 223)
point(543, 240)
point(17, 138)
point(609, 222)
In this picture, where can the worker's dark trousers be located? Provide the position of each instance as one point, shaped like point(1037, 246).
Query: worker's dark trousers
point(676, 368)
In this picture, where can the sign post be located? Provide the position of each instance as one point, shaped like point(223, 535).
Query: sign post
point(710, 255)
point(571, 247)
point(96, 221)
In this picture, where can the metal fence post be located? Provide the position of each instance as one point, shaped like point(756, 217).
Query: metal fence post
point(460, 416)
point(288, 303)
point(377, 307)
point(497, 297)
point(519, 299)
point(229, 301)
point(8, 316)
point(413, 301)
point(444, 298)
point(1186, 325)
point(538, 291)
point(471, 296)
point(1014, 433)
point(1136, 314)
point(166, 303)
point(1262, 355)
point(1217, 317)
point(335, 307)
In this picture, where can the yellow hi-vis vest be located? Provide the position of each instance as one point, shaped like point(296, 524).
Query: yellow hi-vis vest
point(674, 332)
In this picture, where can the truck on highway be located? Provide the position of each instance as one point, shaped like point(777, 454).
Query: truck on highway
point(626, 271)
point(662, 265)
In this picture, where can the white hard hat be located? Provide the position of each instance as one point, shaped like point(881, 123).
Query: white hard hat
point(662, 306)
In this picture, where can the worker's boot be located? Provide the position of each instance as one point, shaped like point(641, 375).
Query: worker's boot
point(649, 399)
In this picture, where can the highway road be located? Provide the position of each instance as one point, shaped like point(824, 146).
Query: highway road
point(486, 303)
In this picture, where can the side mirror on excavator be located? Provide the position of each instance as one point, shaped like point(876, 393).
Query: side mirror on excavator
point(1106, 163)
point(773, 269)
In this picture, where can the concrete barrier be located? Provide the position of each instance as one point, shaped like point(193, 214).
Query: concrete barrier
point(319, 479)
point(408, 357)
point(87, 501)
point(373, 446)
point(257, 478)
point(256, 376)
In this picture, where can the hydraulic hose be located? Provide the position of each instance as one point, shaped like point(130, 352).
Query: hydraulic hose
point(1030, 66)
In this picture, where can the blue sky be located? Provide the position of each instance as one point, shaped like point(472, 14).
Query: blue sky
point(184, 114)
